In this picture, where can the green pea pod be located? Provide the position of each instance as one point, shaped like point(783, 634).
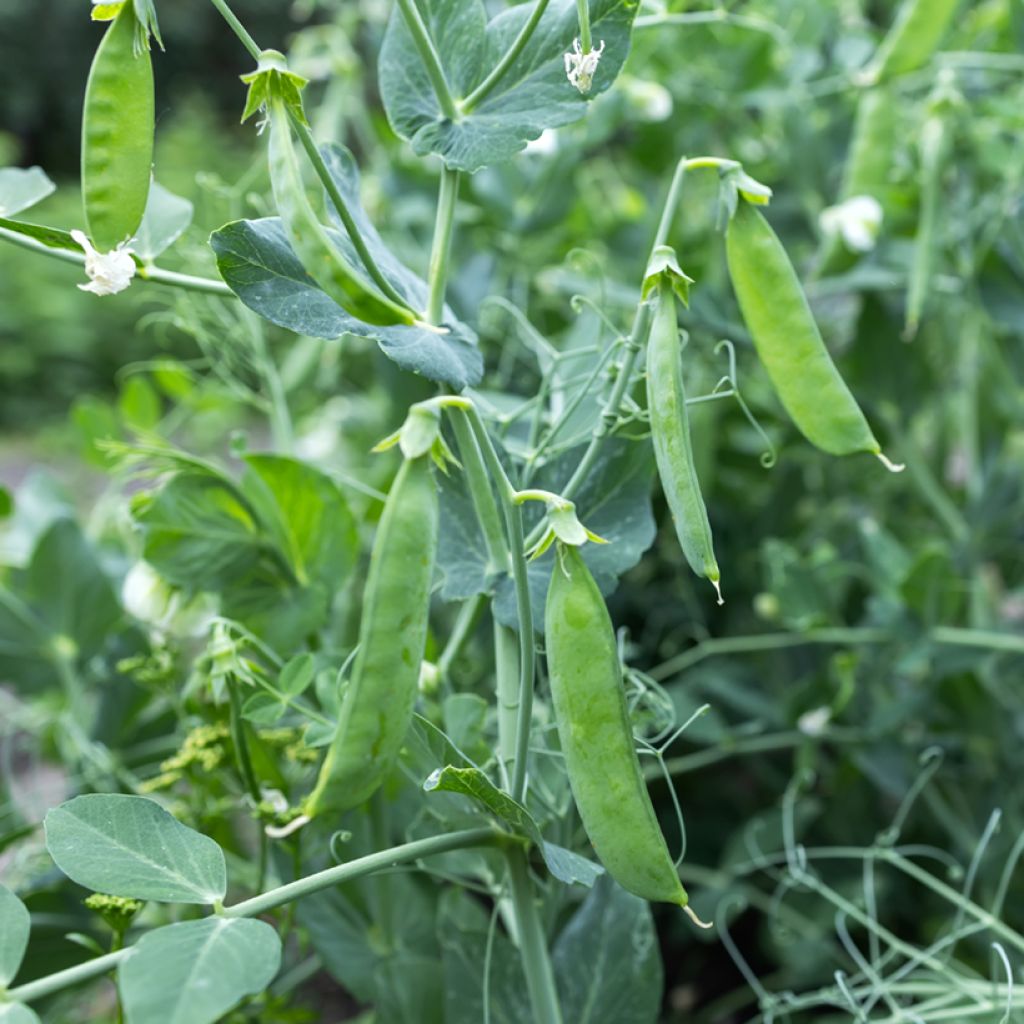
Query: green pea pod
point(324, 262)
point(868, 166)
point(117, 134)
point(670, 432)
point(788, 341)
point(915, 35)
point(377, 705)
point(934, 146)
point(597, 742)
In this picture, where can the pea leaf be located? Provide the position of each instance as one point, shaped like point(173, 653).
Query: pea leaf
point(22, 187)
point(606, 960)
point(14, 928)
point(566, 866)
point(130, 846)
point(533, 94)
point(165, 220)
point(52, 238)
point(195, 971)
point(17, 1013)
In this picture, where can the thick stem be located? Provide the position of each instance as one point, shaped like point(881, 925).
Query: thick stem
point(441, 248)
point(540, 978)
point(429, 55)
point(506, 670)
point(480, 93)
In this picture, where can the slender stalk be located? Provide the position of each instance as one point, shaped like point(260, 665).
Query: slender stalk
point(506, 669)
point(305, 136)
point(583, 14)
point(240, 742)
point(149, 273)
point(484, 89)
point(441, 247)
point(540, 978)
point(283, 894)
point(429, 847)
point(238, 28)
point(429, 55)
point(465, 621)
point(480, 491)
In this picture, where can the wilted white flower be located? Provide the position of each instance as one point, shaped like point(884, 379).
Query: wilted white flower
point(813, 723)
point(109, 272)
point(856, 220)
point(580, 66)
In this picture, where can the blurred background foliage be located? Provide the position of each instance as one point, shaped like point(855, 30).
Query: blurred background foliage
point(870, 621)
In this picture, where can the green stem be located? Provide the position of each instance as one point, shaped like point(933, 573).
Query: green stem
point(540, 978)
point(583, 14)
point(441, 248)
point(506, 671)
point(312, 150)
point(429, 55)
point(429, 847)
point(238, 28)
point(283, 894)
point(147, 273)
point(465, 621)
point(480, 93)
point(480, 491)
point(239, 741)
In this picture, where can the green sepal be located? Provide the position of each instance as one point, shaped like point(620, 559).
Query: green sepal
point(273, 79)
point(664, 265)
point(106, 12)
point(564, 526)
point(420, 434)
point(734, 182)
point(147, 25)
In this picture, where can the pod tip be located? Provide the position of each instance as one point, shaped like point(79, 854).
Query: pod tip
point(282, 832)
point(893, 467)
point(696, 920)
point(718, 591)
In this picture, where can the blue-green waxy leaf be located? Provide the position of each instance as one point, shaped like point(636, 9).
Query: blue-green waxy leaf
point(533, 94)
point(606, 960)
point(22, 187)
point(17, 1013)
point(14, 928)
point(195, 971)
point(130, 846)
point(166, 218)
point(257, 262)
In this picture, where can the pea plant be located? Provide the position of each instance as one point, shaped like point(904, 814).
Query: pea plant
point(426, 773)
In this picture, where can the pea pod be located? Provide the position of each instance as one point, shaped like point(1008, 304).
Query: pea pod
point(117, 134)
point(913, 38)
point(670, 433)
point(597, 742)
point(377, 705)
point(323, 260)
point(788, 341)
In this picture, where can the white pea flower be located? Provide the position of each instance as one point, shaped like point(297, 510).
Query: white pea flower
point(148, 597)
point(580, 66)
point(856, 220)
point(813, 723)
point(109, 272)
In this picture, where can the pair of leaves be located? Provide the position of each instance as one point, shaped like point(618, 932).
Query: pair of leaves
point(257, 262)
point(533, 94)
point(187, 973)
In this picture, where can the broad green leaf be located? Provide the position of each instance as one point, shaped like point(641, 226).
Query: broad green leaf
point(198, 532)
point(297, 675)
point(22, 187)
point(195, 971)
point(280, 613)
point(130, 846)
point(14, 928)
point(139, 404)
point(307, 516)
point(533, 94)
point(17, 1013)
point(165, 220)
point(257, 262)
point(462, 927)
point(263, 709)
point(570, 868)
point(606, 960)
